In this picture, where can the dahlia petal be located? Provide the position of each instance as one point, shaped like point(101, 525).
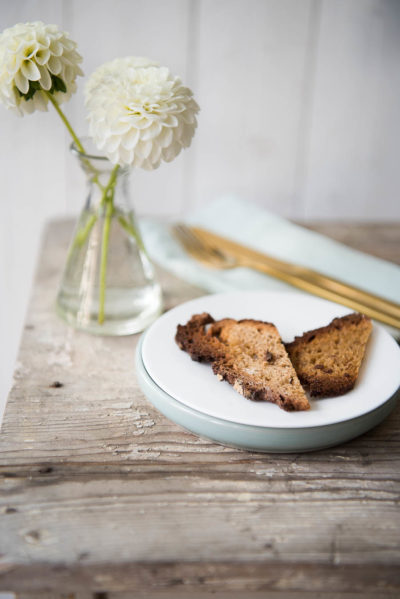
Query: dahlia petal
point(45, 79)
point(54, 65)
point(125, 156)
point(42, 56)
point(143, 149)
point(155, 154)
point(170, 121)
point(12, 65)
point(30, 70)
point(112, 143)
point(152, 132)
point(44, 40)
point(147, 165)
point(146, 148)
point(118, 127)
point(21, 82)
point(188, 117)
point(165, 137)
point(186, 136)
point(40, 101)
point(171, 152)
point(56, 48)
point(140, 122)
point(27, 106)
point(68, 44)
point(130, 139)
point(68, 74)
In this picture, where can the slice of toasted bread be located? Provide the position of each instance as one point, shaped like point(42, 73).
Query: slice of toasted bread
point(249, 354)
point(327, 360)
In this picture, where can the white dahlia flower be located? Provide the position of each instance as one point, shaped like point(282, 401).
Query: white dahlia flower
point(36, 58)
point(110, 68)
point(139, 114)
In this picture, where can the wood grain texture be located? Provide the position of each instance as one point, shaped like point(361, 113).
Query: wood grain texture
point(99, 491)
point(194, 594)
point(378, 239)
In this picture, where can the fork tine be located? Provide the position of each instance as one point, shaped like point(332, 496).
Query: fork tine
point(188, 237)
point(200, 250)
point(192, 245)
point(199, 244)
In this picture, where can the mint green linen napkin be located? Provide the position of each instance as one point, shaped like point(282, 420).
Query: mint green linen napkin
point(253, 226)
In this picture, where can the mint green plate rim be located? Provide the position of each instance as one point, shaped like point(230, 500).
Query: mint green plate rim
point(256, 438)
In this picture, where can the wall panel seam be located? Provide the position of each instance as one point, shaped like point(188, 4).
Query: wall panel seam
point(299, 201)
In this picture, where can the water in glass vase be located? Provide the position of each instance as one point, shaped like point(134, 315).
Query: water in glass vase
point(108, 286)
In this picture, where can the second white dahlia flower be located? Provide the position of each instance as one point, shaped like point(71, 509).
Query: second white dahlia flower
point(139, 114)
point(36, 58)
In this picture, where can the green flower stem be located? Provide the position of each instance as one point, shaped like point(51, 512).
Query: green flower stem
point(108, 199)
point(75, 138)
point(65, 121)
point(130, 228)
point(103, 263)
point(109, 189)
point(82, 234)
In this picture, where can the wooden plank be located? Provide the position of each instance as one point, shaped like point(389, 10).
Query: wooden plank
point(98, 489)
point(264, 594)
point(164, 513)
point(212, 578)
point(378, 239)
point(182, 594)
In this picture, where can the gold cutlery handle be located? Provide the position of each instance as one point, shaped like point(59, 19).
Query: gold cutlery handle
point(353, 293)
point(316, 289)
point(307, 279)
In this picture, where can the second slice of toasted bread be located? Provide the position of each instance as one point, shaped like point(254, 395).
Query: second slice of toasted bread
point(327, 360)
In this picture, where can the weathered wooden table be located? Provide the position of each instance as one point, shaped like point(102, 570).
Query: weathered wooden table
point(102, 497)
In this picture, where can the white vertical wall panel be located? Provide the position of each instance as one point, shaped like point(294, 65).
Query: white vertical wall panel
point(352, 165)
point(32, 178)
point(251, 77)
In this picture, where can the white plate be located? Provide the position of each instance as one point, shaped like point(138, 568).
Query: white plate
point(194, 385)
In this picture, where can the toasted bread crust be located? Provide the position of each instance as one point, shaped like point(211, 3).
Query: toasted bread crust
point(191, 338)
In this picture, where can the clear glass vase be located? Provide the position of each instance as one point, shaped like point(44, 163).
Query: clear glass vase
point(108, 286)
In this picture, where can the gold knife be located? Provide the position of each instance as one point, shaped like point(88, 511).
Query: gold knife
point(306, 279)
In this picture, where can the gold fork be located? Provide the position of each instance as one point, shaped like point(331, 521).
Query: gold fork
point(218, 252)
